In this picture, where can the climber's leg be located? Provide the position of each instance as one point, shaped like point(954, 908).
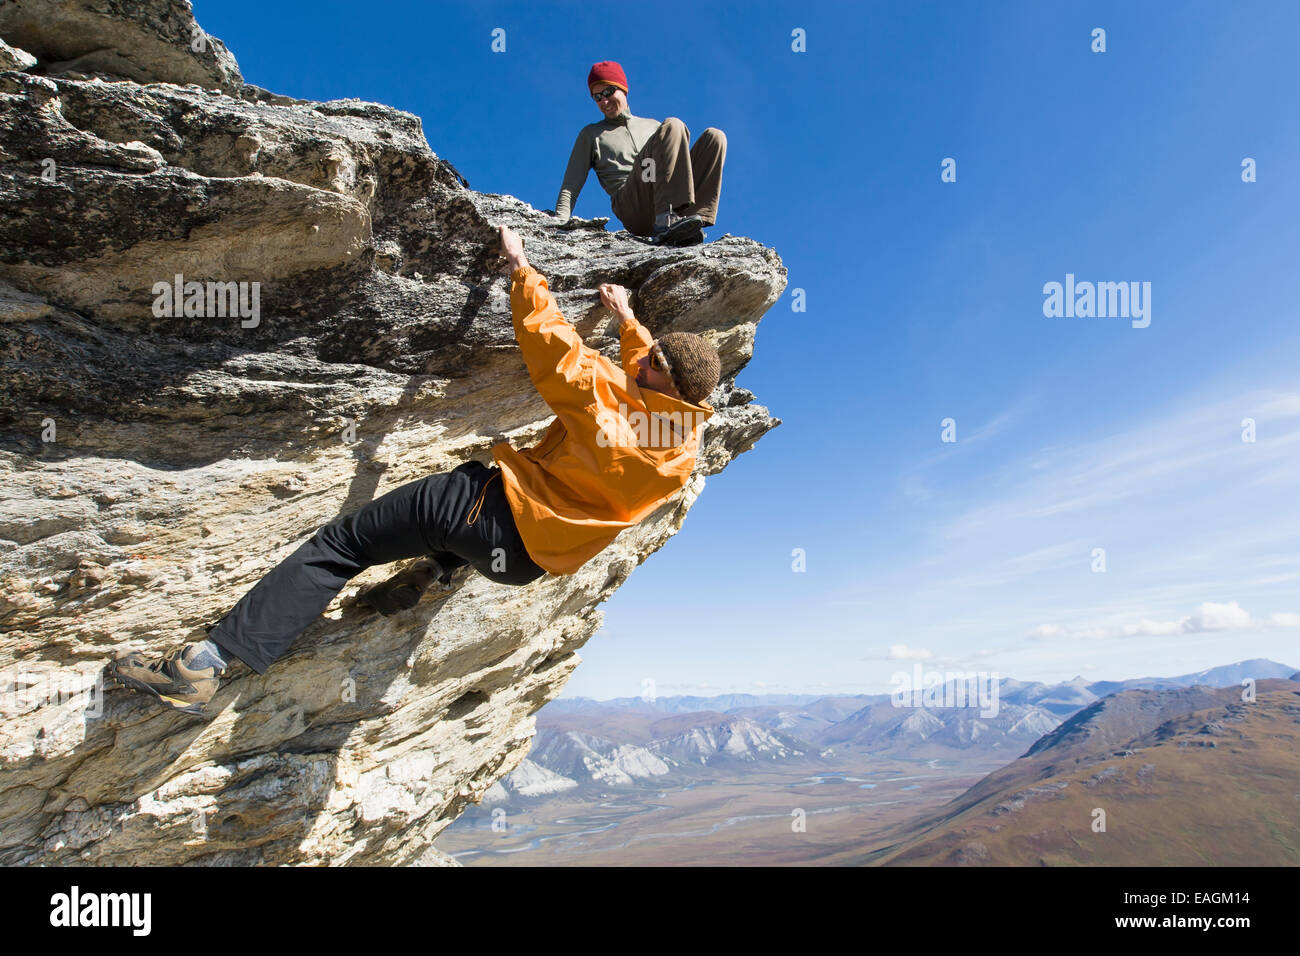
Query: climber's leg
point(292, 595)
point(461, 517)
point(486, 533)
point(448, 560)
point(403, 590)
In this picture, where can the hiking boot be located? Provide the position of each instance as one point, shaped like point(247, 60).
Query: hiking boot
point(679, 231)
point(403, 590)
point(168, 678)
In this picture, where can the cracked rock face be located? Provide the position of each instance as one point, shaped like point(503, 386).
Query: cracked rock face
point(155, 465)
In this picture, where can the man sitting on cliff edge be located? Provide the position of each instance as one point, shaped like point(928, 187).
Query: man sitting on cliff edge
point(660, 186)
point(623, 441)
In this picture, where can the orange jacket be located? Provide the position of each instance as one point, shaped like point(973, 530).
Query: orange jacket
point(614, 452)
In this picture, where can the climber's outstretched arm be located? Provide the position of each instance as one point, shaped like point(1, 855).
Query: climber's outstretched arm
point(634, 338)
point(560, 365)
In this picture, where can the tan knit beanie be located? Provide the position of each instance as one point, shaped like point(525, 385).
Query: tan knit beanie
point(695, 363)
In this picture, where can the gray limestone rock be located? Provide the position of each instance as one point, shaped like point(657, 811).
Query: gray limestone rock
point(148, 41)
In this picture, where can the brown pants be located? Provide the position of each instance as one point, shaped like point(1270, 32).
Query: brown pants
point(687, 180)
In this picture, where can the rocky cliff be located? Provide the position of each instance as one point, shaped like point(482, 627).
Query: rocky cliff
point(161, 450)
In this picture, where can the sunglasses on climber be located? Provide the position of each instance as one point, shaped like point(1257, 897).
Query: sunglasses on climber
point(604, 94)
point(659, 362)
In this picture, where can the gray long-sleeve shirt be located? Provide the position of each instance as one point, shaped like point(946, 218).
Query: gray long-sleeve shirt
point(610, 146)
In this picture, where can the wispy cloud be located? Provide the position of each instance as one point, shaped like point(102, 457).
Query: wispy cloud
point(902, 652)
point(1200, 446)
point(913, 482)
point(1207, 617)
point(1147, 537)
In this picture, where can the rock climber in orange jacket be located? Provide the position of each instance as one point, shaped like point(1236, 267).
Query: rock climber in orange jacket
point(623, 441)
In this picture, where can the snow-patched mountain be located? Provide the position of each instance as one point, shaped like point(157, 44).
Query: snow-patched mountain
point(803, 721)
point(681, 704)
point(676, 742)
point(587, 758)
point(1227, 675)
point(1061, 699)
point(529, 779)
point(619, 741)
point(882, 727)
point(689, 740)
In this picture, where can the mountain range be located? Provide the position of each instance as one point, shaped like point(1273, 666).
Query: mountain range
point(583, 742)
point(1184, 776)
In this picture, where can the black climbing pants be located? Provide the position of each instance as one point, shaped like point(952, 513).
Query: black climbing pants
point(459, 518)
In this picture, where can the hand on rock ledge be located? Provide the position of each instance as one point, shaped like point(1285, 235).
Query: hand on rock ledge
point(512, 247)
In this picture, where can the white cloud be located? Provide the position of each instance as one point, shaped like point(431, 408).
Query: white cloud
point(1145, 628)
point(901, 652)
point(1281, 405)
point(1218, 617)
point(1208, 617)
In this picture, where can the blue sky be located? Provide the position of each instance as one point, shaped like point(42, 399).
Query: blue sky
point(925, 302)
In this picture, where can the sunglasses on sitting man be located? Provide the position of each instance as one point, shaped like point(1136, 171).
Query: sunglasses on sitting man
point(604, 94)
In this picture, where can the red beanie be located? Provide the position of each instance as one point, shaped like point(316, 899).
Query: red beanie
point(609, 72)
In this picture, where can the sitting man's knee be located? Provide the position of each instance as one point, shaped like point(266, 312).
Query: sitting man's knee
point(672, 125)
point(715, 134)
